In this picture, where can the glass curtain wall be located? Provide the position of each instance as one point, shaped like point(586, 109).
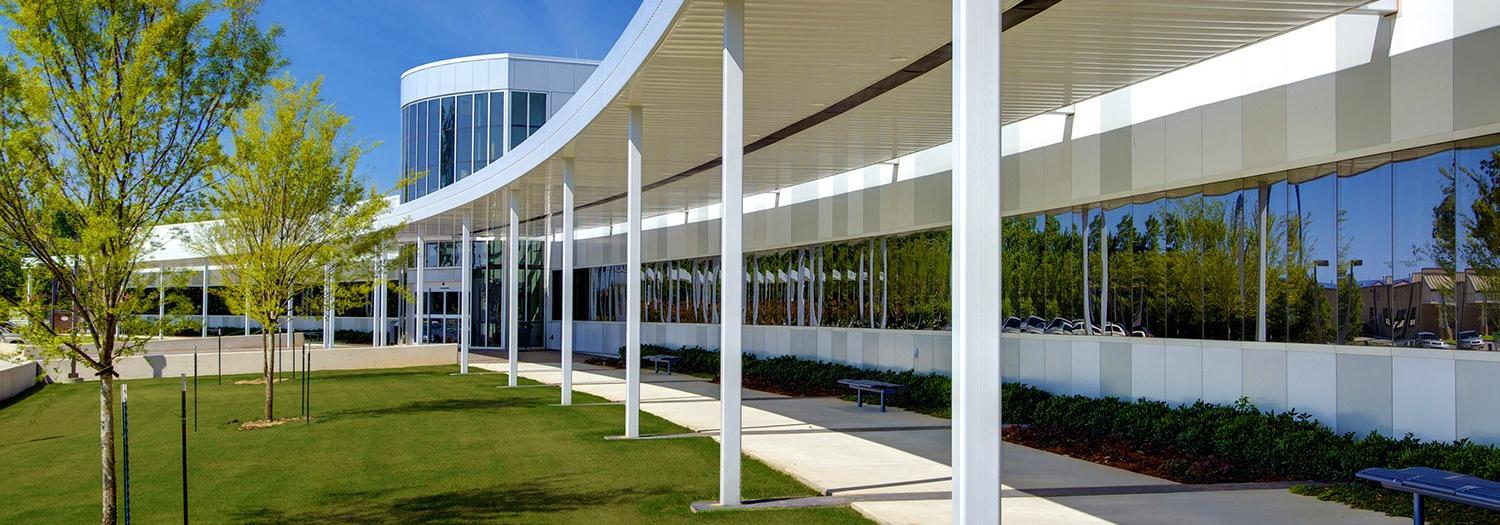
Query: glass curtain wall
point(445, 139)
point(1397, 249)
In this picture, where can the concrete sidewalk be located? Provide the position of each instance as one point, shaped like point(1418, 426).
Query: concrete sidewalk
point(893, 466)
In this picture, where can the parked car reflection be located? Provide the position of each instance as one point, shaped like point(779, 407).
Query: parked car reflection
point(1471, 340)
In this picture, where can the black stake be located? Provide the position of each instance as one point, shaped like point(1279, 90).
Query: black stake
point(184, 451)
point(125, 433)
point(195, 391)
point(306, 389)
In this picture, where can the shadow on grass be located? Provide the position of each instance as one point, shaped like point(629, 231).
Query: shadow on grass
point(444, 405)
point(12, 400)
point(480, 505)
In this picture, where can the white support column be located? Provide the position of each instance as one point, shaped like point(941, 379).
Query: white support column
point(1103, 274)
point(513, 291)
point(383, 306)
point(377, 309)
point(328, 307)
point(633, 275)
point(161, 302)
point(419, 327)
point(291, 323)
point(731, 251)
point(1262, 214)
point(567, 282)
point(465, 291)
point(976, 257)
point(203, 328)
point(547, 269)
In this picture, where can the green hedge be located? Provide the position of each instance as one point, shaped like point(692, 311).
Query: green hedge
point(924, 393)
point(1222, 443)
point(1209, 443)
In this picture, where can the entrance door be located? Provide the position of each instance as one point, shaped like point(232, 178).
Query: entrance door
point(443, 312)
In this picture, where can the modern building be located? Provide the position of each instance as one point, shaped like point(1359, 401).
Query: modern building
point(1217, 200)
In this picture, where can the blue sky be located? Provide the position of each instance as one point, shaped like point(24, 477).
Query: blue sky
point(361, 48)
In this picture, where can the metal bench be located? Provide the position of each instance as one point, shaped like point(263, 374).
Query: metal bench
point(1422, 482)
point(861, 386)
point(658, 359)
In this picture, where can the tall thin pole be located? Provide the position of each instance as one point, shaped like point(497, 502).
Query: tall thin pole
point(125, 435)
point(567, 283)
point(976, 246)
point(204, 328)
point(731, 249)
point(420, 310)
point(219, 368)
point(633, 275)
point(306, 389)
point(184, 452)
point(195, 391)
point(465, 294)
point(513, 290)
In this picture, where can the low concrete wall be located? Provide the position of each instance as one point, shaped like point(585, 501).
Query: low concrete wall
point(211, 344)
point(250, 362)
point(16, 378)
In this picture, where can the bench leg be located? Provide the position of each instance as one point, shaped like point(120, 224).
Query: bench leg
point(859, 399)
point(1416, 509)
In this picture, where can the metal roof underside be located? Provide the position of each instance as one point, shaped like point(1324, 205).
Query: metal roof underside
point(802, 60)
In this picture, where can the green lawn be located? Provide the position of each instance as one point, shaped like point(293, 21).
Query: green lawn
point(389, 446)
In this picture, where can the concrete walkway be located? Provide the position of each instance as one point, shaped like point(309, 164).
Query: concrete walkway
point(893, 466)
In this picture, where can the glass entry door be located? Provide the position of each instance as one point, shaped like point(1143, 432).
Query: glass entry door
point(444, 314)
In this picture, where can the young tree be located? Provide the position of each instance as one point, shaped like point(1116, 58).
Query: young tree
point(109, 113)
point(289, 214)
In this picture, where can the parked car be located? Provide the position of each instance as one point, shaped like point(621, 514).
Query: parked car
point(9, 334)
point(1114, 330)
point(1082, 328)
point(1034, 325)
point(1012, 325)
point(1059, 326)
point(1471, 340)
point(1430, 340)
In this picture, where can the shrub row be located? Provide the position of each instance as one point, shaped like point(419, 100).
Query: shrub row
point(1225, 443)
point(924, 393)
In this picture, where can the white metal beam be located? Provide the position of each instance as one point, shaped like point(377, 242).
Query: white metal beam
point(512, 291)
point(731, 251)
point(203, 330)
point(633, 276)
point(419, 327)
point(328, 306)
point(567, 282)
point(976, 268)
point(161, 302)
point(466, 288)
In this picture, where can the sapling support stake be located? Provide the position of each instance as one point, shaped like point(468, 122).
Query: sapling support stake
point(183, 413)
point(125, 434)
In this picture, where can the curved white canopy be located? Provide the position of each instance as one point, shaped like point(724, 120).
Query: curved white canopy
point(871, 78)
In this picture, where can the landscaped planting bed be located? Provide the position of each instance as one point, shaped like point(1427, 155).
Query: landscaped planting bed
point(1209, 443)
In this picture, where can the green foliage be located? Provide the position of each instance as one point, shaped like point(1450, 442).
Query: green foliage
point(924, 393)
point(1211, 443)
point(110, 114)
point(289, 214)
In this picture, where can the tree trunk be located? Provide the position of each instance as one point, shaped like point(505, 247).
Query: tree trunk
point(107, 448)
point(269, 363)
